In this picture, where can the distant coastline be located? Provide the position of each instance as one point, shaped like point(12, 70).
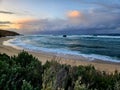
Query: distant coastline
point(4, 33)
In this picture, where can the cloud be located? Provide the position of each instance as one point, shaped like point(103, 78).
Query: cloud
point(6, 12)
point(20, 13)
point(23, 23)
point(106, 3)
point(79, 23)
point(74, 14)
point(97, 19)
point(4, 26)
point(5, 22)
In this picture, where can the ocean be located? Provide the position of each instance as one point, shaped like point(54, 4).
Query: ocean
point(105, 48)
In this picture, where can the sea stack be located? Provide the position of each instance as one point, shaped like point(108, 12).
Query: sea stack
point(64, 35)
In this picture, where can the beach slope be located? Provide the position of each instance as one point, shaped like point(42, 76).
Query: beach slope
point(70, 60)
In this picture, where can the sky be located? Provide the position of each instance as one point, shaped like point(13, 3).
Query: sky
point(60, 16)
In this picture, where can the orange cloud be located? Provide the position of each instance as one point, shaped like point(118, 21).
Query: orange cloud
point(74, 14)
point(4, 26)
point(76, 17)
point(18, 24)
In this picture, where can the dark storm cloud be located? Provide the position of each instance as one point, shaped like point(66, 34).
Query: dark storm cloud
point(6, 12)
point(23, 13)
point(5, 22)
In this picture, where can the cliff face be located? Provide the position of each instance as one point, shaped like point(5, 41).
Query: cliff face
point(4, 33)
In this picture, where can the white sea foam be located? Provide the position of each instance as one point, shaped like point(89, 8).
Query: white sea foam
point(99, 36)
point(90, 57)
point(8, 43)
point(93, 57)
point(19, 44)
point(109, 36)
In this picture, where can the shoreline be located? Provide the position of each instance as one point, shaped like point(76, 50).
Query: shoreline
point(63, 59)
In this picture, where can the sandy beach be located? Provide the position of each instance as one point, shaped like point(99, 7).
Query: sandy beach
point(64, 59)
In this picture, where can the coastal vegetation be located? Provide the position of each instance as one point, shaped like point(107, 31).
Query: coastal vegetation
point(25, 72)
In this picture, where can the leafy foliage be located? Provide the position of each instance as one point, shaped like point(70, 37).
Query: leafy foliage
point(25, 72)
point(13, 70)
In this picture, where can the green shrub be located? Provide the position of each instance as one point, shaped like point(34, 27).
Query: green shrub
point(25, 72)
point(13, 70)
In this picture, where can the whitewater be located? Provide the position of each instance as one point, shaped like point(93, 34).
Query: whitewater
point(105, 48)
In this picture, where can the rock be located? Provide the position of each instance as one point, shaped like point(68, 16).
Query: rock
point(64, 35)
